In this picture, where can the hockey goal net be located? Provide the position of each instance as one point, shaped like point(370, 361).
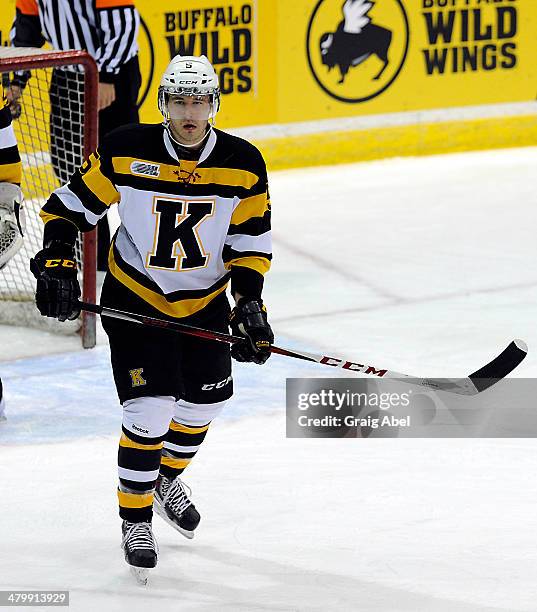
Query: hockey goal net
point(55, 122)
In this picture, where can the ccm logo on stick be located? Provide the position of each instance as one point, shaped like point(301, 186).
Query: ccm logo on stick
point(350, 365)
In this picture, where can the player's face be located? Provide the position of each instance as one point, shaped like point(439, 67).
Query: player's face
point(189, 116)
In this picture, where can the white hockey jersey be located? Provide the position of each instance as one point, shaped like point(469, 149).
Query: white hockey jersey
point(187, 227)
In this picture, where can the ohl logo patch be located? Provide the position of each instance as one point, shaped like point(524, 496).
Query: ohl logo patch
point(357, 48)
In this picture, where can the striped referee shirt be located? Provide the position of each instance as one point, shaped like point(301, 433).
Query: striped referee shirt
point(106, 29)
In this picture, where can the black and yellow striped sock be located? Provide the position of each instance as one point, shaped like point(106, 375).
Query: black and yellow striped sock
point(138, 468)
point(181, 444)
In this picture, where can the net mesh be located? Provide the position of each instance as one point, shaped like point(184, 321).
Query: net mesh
point(49, 131)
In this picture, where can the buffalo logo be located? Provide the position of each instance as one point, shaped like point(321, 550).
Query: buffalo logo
point(355, 40)
point(366, 40)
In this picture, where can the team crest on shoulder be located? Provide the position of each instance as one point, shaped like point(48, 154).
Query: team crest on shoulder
point(145, 169)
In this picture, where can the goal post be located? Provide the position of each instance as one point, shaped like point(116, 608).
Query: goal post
point(55, 122)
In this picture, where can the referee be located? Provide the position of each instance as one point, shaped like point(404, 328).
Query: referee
point(108, 30)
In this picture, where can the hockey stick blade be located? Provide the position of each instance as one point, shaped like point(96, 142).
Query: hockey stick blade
point(501, 366)
point(480, 380)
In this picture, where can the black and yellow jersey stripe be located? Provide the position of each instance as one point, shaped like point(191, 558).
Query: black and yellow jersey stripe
point(188, 228)
point(10, 161)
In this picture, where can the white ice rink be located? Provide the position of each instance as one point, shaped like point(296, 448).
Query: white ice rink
point(426, 266)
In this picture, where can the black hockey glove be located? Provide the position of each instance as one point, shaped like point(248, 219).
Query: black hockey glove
point(57, 284)
point(249, 319)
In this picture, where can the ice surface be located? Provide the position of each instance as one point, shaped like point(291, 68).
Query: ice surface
point(425, 266)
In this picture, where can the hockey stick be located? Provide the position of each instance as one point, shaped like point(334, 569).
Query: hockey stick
point(480, 380)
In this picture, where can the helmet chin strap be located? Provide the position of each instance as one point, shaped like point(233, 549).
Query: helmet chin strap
point(182, 144)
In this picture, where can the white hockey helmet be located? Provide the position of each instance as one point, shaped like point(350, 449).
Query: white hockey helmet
point(189, 75)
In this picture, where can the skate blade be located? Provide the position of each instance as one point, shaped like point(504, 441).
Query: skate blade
point(141, 574)
point(162, 513)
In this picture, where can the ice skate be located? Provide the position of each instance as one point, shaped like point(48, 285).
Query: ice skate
point(140, 548)
point(172, 503)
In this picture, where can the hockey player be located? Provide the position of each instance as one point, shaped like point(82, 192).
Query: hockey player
point(195, 216)
point(11, 218)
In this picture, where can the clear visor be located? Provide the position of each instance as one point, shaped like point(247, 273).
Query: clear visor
point(197, 108)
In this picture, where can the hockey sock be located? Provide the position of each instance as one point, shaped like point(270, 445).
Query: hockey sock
point(180, 445)
point(138, 468)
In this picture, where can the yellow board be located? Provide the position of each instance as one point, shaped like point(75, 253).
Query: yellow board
point(282, 62)
point(407, 55)
point(399, 55)
point(238, 37)
point(340, 147)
